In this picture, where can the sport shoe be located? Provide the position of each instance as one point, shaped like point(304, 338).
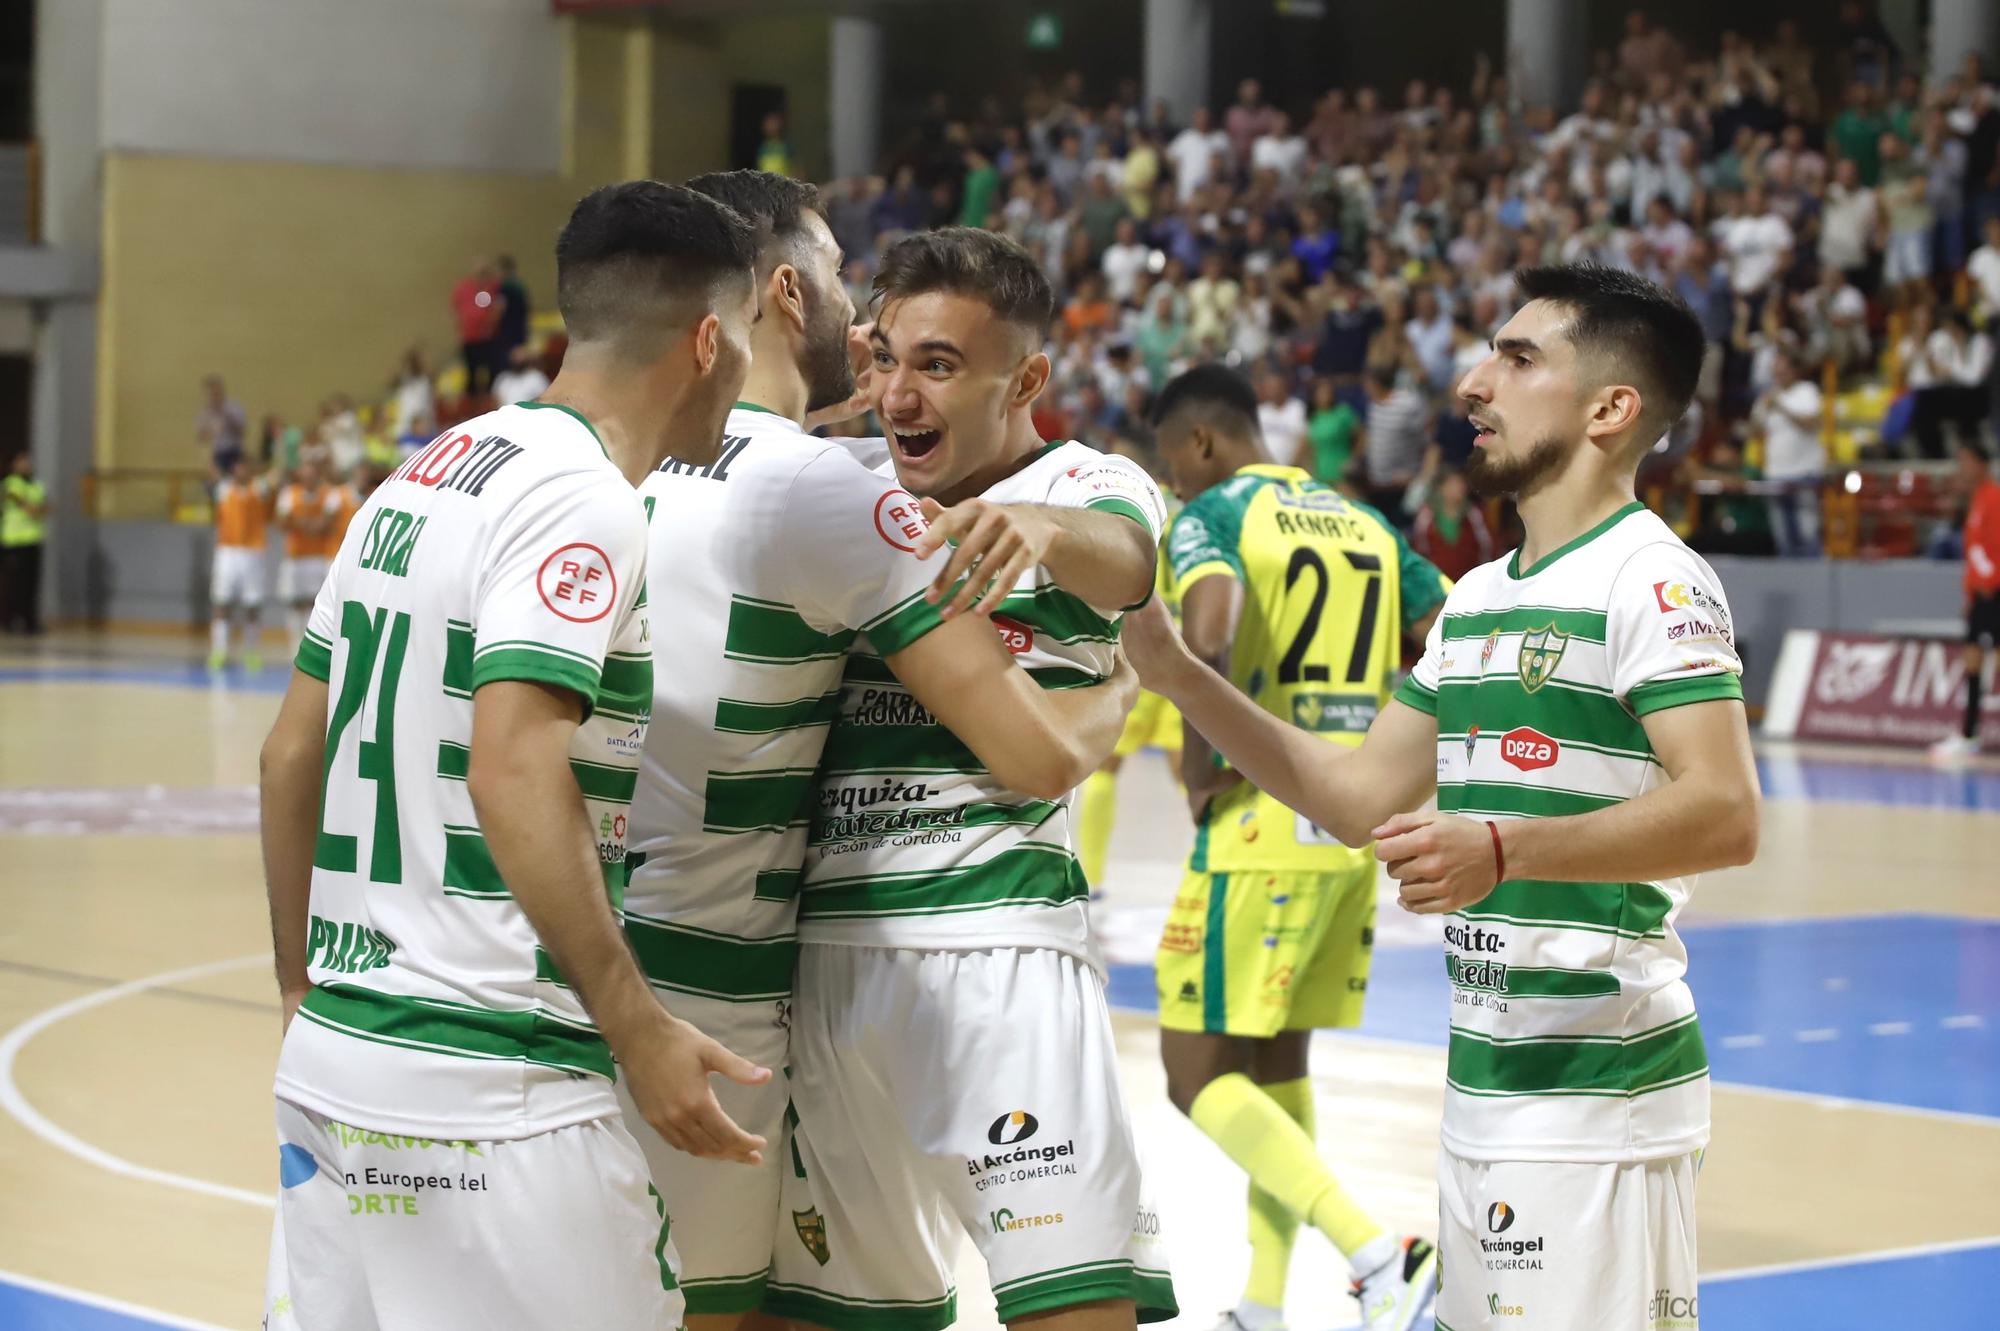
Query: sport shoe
point(1230, 1321)
point(1954, 749)
point(1396, 1296)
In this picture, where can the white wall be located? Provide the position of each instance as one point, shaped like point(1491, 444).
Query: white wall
point(69, 35)
point(469, 84)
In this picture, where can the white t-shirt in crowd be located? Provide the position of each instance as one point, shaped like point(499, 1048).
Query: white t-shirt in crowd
point(1984, 270)
point(1284, 426)
point(1754, 246)
point(1286, 156)
point(1193, 155)
point(1122, 265)
point(523, 385)
point(1791, 450)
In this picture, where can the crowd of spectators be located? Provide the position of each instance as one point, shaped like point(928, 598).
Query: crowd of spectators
point(1832, 217)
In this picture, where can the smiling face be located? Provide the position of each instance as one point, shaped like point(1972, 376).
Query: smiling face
point(1527, 406)
point(948, 376)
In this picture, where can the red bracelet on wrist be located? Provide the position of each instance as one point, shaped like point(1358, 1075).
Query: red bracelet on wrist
point(1499, 856)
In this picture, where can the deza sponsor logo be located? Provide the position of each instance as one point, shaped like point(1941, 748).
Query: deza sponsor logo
point(1529, 749)
point(1021, 1163)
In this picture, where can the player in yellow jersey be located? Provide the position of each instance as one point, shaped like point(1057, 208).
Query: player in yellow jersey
point(1153, 723)
point(1300, 597)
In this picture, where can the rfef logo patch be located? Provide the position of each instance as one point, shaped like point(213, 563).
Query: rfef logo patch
point(1528, 749)
point(576, 582)
point(900, 520)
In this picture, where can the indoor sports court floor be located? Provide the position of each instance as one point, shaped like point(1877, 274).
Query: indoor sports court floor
point(1849, 984)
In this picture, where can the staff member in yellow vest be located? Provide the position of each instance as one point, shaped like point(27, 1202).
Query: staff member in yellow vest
point(24, 511)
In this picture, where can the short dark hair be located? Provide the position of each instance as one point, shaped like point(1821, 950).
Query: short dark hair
point(633, 256)
point(1635, 323)
point(966, 261)
point(776, 205)
point(1213, 389)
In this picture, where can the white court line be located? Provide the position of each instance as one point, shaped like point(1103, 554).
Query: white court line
point(110, 1305)
point(1889, 1028)
point(1742, 1042)
point(34, 1121)
point(1964, 1021)
point(1852, 1259)
point(1817, 1035)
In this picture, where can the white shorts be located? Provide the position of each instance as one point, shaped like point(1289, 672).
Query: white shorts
point(379, 1232)
point(728, 1213)
point(299, 579)
point(1566, 1247)
point(946, 1091)
point(236, 577)
point(1906, 257)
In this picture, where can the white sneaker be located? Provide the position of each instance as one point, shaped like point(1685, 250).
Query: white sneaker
point(1395, 1297)
point(1954, 749)
point(1229, 1321)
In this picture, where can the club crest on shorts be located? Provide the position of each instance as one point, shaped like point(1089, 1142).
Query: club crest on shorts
point(1541, 649)
point(812, 1232)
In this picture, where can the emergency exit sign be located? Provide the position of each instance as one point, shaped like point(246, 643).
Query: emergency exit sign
point(1044, 32)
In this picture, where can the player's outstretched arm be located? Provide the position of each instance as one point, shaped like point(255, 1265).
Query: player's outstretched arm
point(1704, 818)
point(1346, 791)
point(1102, 557)
point(533, 818)
point(289, 771)
point(1040, 742)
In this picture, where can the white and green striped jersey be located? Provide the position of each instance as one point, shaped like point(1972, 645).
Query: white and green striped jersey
point(1573, 1034)
point(767, 565)
point(510, 548)
point(912, 843)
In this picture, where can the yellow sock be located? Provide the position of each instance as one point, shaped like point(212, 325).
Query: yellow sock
point(1096, 810)
point(1254, 1131)
point(1272, 1227)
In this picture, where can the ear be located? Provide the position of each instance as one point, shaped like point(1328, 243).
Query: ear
point(785, 294)
point(707, 342)
point(1034, 378)
point(1614, 411)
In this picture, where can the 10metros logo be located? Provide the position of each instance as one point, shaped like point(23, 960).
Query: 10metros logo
point(1021, 1163)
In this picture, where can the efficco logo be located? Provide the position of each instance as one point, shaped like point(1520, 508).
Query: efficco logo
point(1010, 1128)
point(1528, 749)
point(1669, 1310)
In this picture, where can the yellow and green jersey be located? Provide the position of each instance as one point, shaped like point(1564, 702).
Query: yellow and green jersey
point(1328, 588)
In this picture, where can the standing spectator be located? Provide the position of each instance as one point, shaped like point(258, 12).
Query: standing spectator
point(1758, 244)
point(850, 215)
point(476, 303)
point(1906, 258)
point(340, 430)
point(512, 330)
point(1982, 592)
point(1142, 173)
point(1984, 270)
point(901, 207)
point(1212, 301)
point(1281, 415)
point(1279, 150)
point(1941, 156)
point(1432, 340)
point(219, 426)
point(1836, 321)
point(1317, 244)
point(24, 511)
point(1100, 213)
point(1450, 531)
point(413, 399)
point(1199, 154)
point(1789, 415)
point(1849, 224)
point(1248, 119)
point(1858, 130)
point(1163, 334)
point(1332, 431)
point(981, 186)
point(1123, 262)
point(774, 152)
point(1066, 168)
point(1396, 439)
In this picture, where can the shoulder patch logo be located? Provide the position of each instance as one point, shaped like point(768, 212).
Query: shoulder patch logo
point(899, 520)
point(1541, 650)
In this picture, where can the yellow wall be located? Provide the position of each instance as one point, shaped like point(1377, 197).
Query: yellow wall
point(292, 281)
point(297, 280)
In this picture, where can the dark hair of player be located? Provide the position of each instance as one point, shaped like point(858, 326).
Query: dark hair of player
point(775, 204)
point(636, 260)
point(1216, 390)
point(966, 261)
point(1626, 329)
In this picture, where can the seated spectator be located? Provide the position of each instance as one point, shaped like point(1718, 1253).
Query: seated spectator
point(1332, 432)
point(1948, 373)
point(523, 380)
point(1397, 436)
point(1281, 416)
point(1123, 262)
point(1835, 318)
point(1088, 309)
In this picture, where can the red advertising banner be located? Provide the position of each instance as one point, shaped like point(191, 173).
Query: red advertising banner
point(1872, 689)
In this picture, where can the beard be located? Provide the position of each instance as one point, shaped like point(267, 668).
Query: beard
point(1516, 478)
point(828, 373)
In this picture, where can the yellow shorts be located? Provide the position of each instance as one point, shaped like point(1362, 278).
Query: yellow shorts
point(1154, 723)
point(1256, 952)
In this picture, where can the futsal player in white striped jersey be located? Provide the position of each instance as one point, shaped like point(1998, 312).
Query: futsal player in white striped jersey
point(444, 810)
point(1578, 713)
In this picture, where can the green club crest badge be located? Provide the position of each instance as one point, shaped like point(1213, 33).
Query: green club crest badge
point(1541, 649)
point(812, 1233)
